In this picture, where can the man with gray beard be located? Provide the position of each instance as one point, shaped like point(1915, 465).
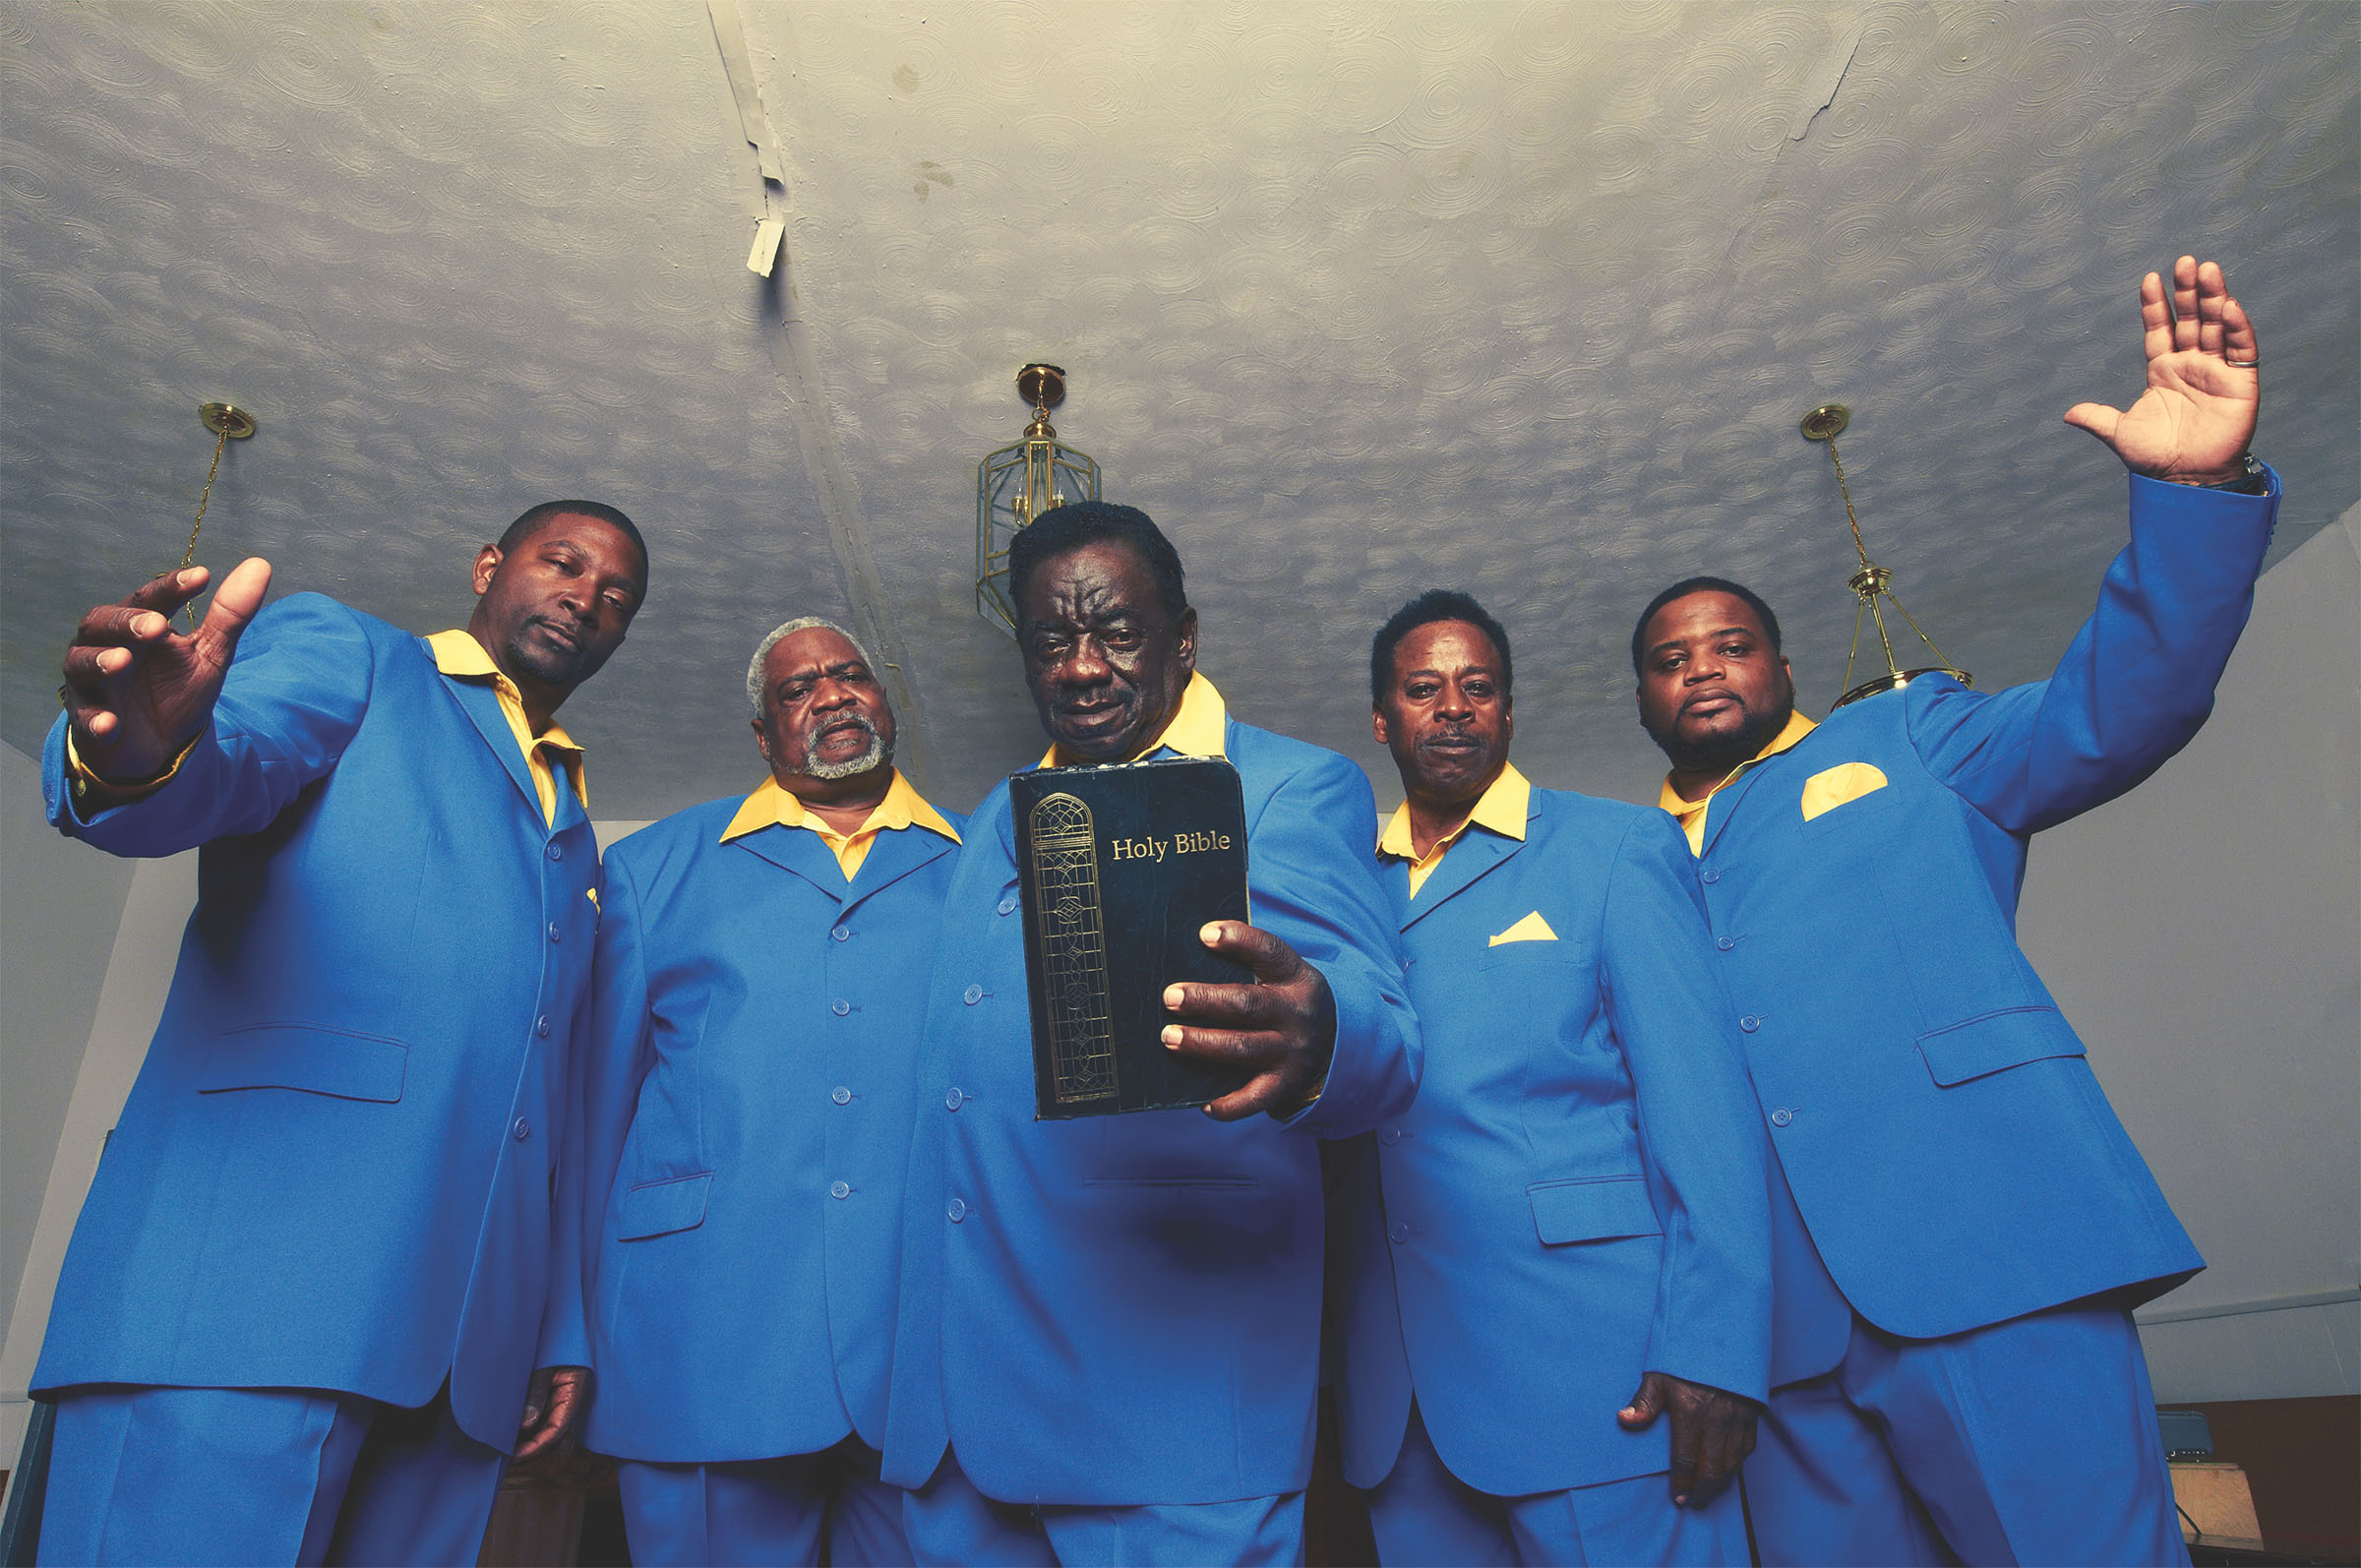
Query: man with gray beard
point(748, 1093)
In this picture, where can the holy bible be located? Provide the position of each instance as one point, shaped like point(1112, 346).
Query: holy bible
point(1120, 868)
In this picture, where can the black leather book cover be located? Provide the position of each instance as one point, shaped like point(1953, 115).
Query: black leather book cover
point(1119, 866)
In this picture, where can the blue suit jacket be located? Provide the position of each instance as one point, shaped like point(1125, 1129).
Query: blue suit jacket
point(749, 1077)
point(336, 1168)
point(1126, 1309)
point(1577, 1195)
point(1946, 1144)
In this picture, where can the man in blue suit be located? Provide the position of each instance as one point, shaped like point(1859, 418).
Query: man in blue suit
point(1961, 1226)
point(312, 1278)
point(1574, 1205)
point(749, 1078)
point(1110, 1341)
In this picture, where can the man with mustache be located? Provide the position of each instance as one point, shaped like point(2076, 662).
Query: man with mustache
point(1961, 1227)
point(1565, 1235)
point(749, 1083)
point(311, 1286)
point(1110, 1341)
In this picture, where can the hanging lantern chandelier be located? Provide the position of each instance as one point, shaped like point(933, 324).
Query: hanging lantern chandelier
point(1018, 483)
point(1872, 586)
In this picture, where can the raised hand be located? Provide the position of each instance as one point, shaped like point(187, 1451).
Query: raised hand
point(2193, 424)
point(1283, 1024)
point(137, 691)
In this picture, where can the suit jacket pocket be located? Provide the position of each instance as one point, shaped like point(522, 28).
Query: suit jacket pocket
point(1986, 1045)
point(660, 1208)
point(311, 1057)
point(1593, 1209)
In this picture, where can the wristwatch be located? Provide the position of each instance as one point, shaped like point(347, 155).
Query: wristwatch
point(2255, 481)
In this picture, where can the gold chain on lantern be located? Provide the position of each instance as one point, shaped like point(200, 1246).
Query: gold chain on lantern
point(229, 423)
point(1873, 585)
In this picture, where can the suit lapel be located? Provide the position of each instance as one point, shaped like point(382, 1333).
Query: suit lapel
point(1477, 852)
point(481, 703)
point(1724, 803)
point(892, 856)
point(801, 851)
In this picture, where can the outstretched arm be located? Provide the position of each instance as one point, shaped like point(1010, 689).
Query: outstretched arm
point(2138, 677)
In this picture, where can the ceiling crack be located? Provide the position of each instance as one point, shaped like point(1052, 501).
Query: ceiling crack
point(796, 362)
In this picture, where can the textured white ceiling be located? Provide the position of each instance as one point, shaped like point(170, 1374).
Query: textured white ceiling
point(1356, 300)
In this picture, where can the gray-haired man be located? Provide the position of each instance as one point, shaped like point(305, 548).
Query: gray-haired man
point(748, 1092)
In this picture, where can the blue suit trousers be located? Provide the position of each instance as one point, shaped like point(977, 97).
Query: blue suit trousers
point(233, 1476)
point(2029, 1441)
point(768, 1511)
point(1422, 1513)
point(950, 1523)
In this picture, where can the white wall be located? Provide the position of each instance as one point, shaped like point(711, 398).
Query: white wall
point(58, 916)
point(2204, 933)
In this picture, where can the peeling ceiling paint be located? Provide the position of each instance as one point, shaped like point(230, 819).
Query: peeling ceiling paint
point(1357, 300)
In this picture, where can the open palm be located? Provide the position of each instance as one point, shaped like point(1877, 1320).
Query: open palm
point(2197, 416)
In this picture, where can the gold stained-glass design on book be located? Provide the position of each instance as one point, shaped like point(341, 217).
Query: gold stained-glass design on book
point(1073, 949)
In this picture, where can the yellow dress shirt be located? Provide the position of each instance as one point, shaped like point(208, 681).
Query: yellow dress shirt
point(458, 655)
point(1196, 731)
point(902, 807)
point(1691, 814)
point(1503, 808)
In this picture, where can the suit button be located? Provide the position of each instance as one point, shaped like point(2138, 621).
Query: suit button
point(523, 1130)
point(557, 851)
point(1750, 1023)
point(1725, 943)
point(1710, 876)
point(841, 1095)
point(1007, 906)
point(972, 995)
point(839, 933)
point(1782, 1116)
point(1390, 1136)
point(554, 933)
point(1400, 1234)
point(953, 1101)
point(840, 1190)
point(840, 1007)
point(541, 1026)
point(958, 1211)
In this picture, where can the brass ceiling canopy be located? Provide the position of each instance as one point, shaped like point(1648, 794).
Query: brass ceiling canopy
point(1873, 585)
point(1018, 483)
point(228, 422)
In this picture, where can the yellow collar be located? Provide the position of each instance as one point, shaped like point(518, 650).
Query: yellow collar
point(902, 807)
point(1691, 814)
point(1503, 808)
point(1196, 731)
point(458, 655)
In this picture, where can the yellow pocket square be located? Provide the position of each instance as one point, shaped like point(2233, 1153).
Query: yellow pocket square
point(1839, 785)
point(1531, 928)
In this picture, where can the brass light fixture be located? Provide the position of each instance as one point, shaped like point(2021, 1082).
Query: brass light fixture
point(1873, 585)
point(228, 422)
point(1018, 483)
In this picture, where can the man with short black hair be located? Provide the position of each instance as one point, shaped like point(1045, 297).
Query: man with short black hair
point(1961, 1226)
point(1565, 1235)
point(313, 1277)
point(1110, 1327)
point(750, 1075)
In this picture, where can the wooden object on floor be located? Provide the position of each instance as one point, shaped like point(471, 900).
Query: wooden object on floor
point(2215, 1498)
